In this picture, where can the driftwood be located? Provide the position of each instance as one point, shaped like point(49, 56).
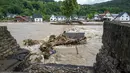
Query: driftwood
point(70, 42)
point(30, 42)
point(47, 47)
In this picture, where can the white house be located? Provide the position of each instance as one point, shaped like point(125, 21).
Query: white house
point(108, 15)
point(11, 15)
point(61, 18)
point(123, 16)
point(54, 18)
point(82, 18)
point(104, 16)
point(97, 17)
point(74, 18)
point(37, 18)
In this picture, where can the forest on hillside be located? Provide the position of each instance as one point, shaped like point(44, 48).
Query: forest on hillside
point(49, 7)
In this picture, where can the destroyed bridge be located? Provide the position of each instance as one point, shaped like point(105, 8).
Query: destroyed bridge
point(114, 56)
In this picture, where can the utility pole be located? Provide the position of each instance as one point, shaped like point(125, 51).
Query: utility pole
point(77, 49)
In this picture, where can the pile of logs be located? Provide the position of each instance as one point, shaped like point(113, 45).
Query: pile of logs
point(64, 40)
point(47, 47)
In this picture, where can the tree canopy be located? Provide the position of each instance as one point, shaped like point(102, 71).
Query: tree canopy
point(69, 7)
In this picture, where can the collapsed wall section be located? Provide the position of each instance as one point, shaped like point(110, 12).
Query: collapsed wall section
point(12, 57)
point(8, 44)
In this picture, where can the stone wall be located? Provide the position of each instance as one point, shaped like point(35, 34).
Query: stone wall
point(12, 57)
point(8, 44)
point(114, 57)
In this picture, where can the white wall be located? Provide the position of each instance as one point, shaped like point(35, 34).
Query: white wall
point(38, 20)
point(52, 19)
point(125, 17)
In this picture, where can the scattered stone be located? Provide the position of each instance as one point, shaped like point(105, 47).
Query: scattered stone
point(59, 68)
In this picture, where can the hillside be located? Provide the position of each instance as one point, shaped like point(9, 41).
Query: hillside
point(115, 6)
point(29, 7)
point(49, 7)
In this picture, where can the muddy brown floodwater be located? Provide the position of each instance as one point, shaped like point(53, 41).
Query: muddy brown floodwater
point(65, 54)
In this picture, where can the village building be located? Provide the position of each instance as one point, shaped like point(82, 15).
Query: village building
point(74, 17)
point(61, 18)
point(115, 15)
point(97, 17)
point(123, 16)
point(37, 18)
point(9, 15)
point(106, 16)
point(22, 18)
point(54, 18)
point(82, 18)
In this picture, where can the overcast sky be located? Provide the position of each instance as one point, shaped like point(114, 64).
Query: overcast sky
point(88, 1)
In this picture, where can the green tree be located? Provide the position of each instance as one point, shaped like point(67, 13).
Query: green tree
point(69, 7)
point(90, 16)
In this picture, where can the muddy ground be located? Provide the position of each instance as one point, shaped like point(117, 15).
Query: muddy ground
point(65, 54)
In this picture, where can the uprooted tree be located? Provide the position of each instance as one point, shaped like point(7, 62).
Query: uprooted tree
point(69, 7)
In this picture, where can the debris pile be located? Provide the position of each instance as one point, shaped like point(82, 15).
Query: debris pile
point(46, 48)
point(30, 42)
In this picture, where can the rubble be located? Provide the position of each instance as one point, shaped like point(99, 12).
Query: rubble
point(58, 68)
point(46, 47)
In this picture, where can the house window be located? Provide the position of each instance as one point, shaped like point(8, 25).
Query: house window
point(36, 19)
point(126, 18)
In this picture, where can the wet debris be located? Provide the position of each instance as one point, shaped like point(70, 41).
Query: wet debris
point(30, 42)
point(47, 47)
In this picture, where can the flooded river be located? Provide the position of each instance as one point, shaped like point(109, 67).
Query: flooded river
point(65, 55)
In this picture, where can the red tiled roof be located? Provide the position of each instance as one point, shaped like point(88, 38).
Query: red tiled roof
point(22, 17)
